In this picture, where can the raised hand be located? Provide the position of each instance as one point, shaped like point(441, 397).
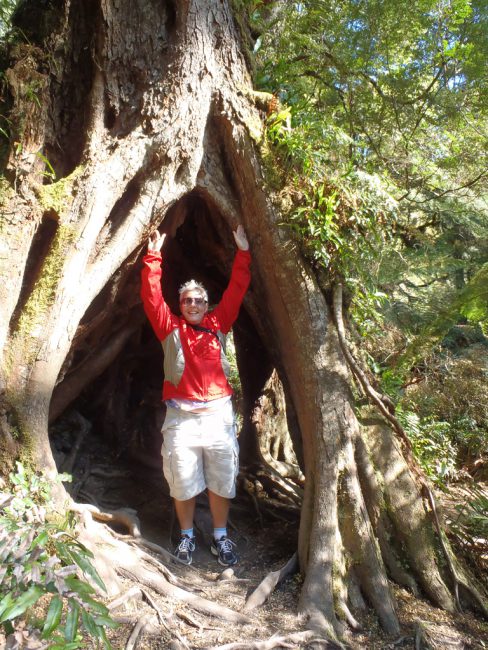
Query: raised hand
point(156, 241)
point(241, 238)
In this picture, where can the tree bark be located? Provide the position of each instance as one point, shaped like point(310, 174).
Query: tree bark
point(169, 129)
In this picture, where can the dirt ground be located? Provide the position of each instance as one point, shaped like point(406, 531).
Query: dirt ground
point(266, 540)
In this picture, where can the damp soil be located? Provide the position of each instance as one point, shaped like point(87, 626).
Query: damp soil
point(266, 539)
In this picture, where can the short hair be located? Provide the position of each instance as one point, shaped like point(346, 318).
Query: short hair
point(193, 285)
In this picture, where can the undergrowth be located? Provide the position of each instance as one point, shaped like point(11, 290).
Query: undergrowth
point(46, 595)
point(470, 527)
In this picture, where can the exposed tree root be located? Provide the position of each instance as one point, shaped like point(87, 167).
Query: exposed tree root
point(263, 503)
point(282, 487)
point(429, 638)
point(266, 587)
point(127, 558)
point(357, 534)
point(269, 420)
point(164, 554)
point(382, 402)
point(381, 524)
point(407, 479)
point(124, 516)
point(458, 580)
point(290, 641)
point(160, 616)
point(249, 489)
point(139, 629)
point(160, 585)
point(133, 592)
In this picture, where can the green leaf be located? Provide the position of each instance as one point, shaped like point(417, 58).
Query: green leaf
point(79, 586)
point(40, 540)
point(27, 599)
point(6, 602)
point(106, 621)
point(98, 607)
point(89, 624)
point(62, 552)
point(72, 616)
point(65, 646)
point(87, 567)
point(106, 642)
point(53, 616)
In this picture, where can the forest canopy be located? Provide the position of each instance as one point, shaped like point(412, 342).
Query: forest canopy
point(381, 127)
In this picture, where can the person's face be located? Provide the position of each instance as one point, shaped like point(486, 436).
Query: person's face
point(193, 306)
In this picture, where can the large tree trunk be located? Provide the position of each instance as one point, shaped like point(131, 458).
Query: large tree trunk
point(147, 118)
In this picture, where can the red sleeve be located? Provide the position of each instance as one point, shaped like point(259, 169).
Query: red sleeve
point(226, 312)
point(158, 312)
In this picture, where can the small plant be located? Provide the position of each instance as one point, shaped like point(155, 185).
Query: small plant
point(43, 565)
point(49, 170)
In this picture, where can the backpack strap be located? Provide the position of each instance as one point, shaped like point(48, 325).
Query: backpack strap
point(199, 328)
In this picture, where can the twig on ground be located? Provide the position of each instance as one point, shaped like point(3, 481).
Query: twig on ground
point(154, 605)
point(161, 619)
point(188, 619)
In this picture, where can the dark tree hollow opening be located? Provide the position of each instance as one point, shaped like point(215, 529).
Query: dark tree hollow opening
point(122, 361)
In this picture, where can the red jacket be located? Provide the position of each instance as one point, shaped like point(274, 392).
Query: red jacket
point(195, 365)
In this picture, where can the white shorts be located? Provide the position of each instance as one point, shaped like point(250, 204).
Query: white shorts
point(200, 450)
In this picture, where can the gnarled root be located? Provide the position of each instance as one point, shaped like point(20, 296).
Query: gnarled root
point(266, 587)
point(290, 641)
point(161, 586)
point(124, 516)
point(122, 559)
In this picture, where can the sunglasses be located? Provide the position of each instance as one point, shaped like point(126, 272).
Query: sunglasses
point(193, 301)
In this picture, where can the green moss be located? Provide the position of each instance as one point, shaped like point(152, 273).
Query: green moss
point(254, 123)
point(241, 10)
point(26, 455)
point(255, 128)
point(24, 442)
point(44, 291)
point(7, 192)
point(58, 197)
point(273, 174)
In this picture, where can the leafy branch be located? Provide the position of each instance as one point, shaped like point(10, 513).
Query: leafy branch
point(46, 575)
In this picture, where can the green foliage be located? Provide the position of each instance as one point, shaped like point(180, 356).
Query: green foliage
point(340, 219)
point(432, 445)
point(6, 10)
point(385, 98)
point(379, 147)
point(234, 378)
point(404, 82)
point(41, 590)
